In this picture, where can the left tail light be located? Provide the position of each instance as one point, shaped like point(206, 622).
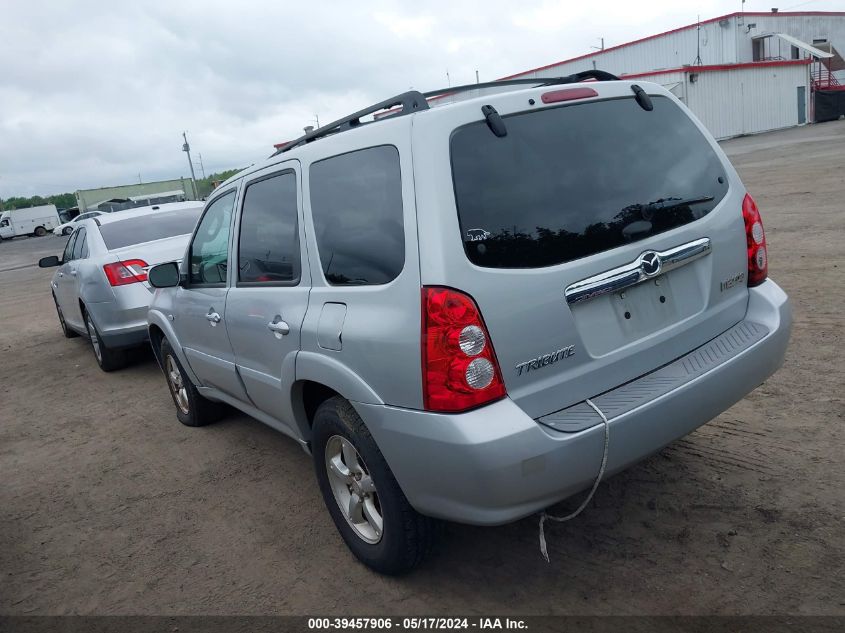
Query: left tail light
point(459, 366)
point(130, 271)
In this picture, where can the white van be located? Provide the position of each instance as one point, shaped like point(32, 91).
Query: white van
point(32, 221)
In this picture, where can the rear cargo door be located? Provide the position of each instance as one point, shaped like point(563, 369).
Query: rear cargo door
point(600, 240)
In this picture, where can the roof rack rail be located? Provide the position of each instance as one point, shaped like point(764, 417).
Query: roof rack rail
point(598, 75)
point(415, 101)
point(411, 101)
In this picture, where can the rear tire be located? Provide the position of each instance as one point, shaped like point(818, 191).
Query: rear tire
point(40, 231)
point(107, 358)
point(65, 329)
point(363, 497)
point(191, 408)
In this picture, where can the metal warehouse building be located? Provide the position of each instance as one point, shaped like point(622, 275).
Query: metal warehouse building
point(741, 73)
point(180, 188)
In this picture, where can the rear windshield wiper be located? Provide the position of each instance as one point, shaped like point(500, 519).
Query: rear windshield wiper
point(672, 203)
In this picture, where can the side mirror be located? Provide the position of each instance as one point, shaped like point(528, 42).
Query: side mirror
point(164, 275)
point(49, 262)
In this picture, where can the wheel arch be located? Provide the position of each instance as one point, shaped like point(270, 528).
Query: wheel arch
point(159, 328)
point(319, 378)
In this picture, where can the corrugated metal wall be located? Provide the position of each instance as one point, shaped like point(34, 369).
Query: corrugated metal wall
point(673, 50)
point(744, 100)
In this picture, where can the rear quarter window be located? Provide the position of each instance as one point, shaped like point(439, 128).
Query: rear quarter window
point(356, 206)
point(570, 181)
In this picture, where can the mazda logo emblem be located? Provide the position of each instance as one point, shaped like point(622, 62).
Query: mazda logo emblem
point(650, 263)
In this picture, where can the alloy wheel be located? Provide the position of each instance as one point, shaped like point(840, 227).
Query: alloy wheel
point(177, 385)
point(95, 340)
point(354, 489)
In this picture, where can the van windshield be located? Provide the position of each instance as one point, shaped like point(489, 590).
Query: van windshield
point(571, 181)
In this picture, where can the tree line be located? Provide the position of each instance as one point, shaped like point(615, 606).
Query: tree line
point(66, 200)
point(61, 200)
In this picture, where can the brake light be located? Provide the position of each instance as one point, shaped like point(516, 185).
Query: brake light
point(459, 366)
point(755, 236)
point(129, 272)
point(568, 94)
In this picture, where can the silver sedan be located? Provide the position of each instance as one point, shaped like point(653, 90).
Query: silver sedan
point(100, 287)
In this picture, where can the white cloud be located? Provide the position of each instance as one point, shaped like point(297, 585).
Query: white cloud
point(406, 26)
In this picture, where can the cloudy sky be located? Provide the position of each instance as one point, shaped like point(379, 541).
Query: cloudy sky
point(94, 93)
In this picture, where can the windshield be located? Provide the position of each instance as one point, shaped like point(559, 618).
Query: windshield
point(147, 228)
point(570, 181)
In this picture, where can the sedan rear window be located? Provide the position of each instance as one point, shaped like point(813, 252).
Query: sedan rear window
point(571, 181)
point(148, 228)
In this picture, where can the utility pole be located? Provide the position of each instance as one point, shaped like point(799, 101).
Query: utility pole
point(476, 77)
point(187, 149)
point(202, 169)
point(599, 48)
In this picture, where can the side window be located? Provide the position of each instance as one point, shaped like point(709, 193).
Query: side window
point(210, 248)
point(268, 245)
point(68, 253)
point(80, 249)
point(356, 204)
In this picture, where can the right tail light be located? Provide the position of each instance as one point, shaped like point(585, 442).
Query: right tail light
point(758, 255)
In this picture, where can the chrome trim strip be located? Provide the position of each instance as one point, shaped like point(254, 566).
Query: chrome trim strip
point(634, 273)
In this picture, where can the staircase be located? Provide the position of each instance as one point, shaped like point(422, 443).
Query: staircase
point(824, 79)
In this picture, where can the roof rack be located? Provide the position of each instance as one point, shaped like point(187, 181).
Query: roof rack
point(598, 75)
point(414, 101)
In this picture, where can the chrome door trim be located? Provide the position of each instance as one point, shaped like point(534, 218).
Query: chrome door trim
point(638, 271)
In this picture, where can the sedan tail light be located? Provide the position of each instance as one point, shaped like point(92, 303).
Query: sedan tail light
point(755, 236)
point(130, 271)
point(460, 370)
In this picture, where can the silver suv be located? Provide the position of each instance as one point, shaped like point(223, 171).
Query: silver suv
point(448, 307)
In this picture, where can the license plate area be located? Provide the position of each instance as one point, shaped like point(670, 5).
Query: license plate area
point(615, 320)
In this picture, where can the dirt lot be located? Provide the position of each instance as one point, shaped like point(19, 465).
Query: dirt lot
point(110, 506)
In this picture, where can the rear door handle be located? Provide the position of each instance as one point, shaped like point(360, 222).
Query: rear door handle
point(213, 318)
point(278, 327)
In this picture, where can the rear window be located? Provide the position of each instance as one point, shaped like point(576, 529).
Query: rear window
point(571, 181)
point(148, 228)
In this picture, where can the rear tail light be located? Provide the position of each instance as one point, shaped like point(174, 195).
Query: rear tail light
point(758, 255)
point(460, 370)
point(129, 272)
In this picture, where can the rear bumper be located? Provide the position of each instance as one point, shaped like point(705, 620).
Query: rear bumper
point(123, 322)
point(496, 464)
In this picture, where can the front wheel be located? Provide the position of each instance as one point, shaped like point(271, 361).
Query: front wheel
point(191, 408)
point(65, 329)
point(363, 497)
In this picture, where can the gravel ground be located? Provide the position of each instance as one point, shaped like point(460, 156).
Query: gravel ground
point(110, 506)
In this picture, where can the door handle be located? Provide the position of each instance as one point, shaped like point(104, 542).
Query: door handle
point(213, 318)
point(278, 327)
